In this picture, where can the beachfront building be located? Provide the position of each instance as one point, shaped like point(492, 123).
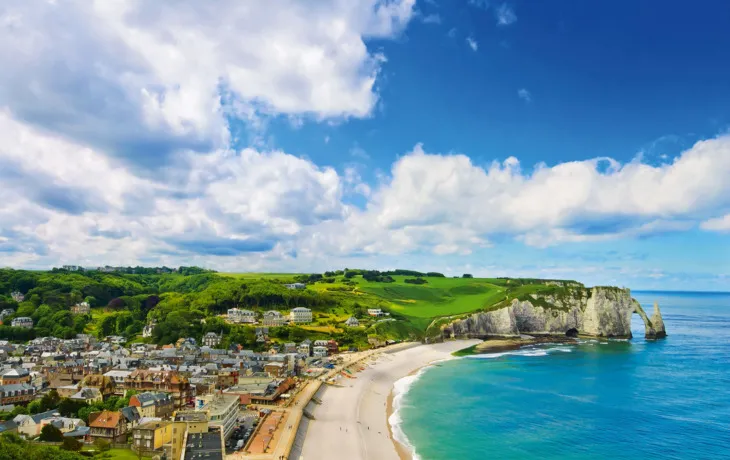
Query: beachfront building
point(273, 318)
point(22, 321)
point(319, 351)
point(222, 411)
point(301, 315)
point(236, 315)
point(81, 308)
point(211, 339)
point(296, 286)
point(352, 322)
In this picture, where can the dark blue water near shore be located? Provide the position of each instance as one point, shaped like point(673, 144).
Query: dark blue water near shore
point(637, 399)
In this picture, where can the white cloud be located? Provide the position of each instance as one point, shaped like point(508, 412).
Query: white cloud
point(432, 19)
point(505, 15)
point(719, 224)
point(525, 95)
point(472, 43)
point(483, 4)
point(129, 75)
point(360, 153)
point(452, 32)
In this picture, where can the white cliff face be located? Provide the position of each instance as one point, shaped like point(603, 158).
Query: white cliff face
point(600, 312)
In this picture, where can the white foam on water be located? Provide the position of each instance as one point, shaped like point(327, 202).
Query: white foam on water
point(400, 389)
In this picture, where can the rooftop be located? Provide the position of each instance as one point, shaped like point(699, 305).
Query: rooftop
point(206, 446)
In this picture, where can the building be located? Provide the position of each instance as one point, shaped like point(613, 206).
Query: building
point(5, 313)
point(352, 322)
point(17, 296)
point(296, 286)
point(22, 321)
point(275, 370)
point(87, 395)
point(30, 425)
point(153, 404)
point(14, 376)
point(208, 446)
point(301, 315)
point(81, 308)
point(375, 312)
point(8, 426)
point(211, 339)
point(222, 410)
point(65, 424)
point(319, 351)
point(147, 330)
point(241, 316)
point(109, 426)
point(151, 436)
point(185, 423)
point(118, 376)
point(168, 381)
point(106, 385)
point(290, 347)
point(17, 393)
point(130, 416)
point(273, 318)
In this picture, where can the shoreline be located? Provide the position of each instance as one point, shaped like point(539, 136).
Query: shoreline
point(352, 419)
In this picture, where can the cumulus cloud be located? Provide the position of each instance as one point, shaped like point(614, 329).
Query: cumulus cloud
point(432, 19)
point(472, 43)
point(719, 224)
point(505, 15)
point(142, 79)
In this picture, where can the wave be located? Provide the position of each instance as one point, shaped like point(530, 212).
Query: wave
point(400, 389)
point(522, 352)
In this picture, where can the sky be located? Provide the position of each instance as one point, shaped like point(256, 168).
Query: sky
point(563, 139)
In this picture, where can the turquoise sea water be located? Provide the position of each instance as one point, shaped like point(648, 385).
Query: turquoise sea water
point(635, 399)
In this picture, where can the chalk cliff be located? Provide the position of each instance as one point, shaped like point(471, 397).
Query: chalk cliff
point(599, 312)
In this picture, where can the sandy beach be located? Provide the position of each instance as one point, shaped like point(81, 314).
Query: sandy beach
point(351, 422)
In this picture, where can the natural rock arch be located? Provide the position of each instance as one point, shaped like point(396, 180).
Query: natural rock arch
point(654, 327)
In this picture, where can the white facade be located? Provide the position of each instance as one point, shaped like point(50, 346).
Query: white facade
point(319, 352)
point(241, 316)
point(22, 321)
point(352, 322)
point(301, 315)
point(211, 339)
point(17, 296)
point(296, 286)
point(274, 318)
point(222, 411)
point(375, 312)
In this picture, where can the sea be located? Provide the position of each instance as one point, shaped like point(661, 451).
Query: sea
point(609, 399)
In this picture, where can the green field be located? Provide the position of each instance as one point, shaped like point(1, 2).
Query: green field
point(439, 297)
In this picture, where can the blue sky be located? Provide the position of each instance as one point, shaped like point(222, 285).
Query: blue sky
point(562, 139)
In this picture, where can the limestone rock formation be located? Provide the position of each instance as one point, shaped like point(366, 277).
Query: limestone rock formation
point(599, 312)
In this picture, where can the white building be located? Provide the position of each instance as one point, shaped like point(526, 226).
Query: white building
point(22, 321)
point(17, 296)
point(319, 351)
point(296, 286)
point(375, 312)
point(301, 315)
point(352, 322)
point(82, 308)
point(241, 316)
point(5, 313)
point(274, 318)
point(147, 331)
point(211, 339)
point(222, 411)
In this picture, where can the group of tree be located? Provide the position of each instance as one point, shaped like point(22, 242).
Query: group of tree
point(12, 447)
point(415, 281)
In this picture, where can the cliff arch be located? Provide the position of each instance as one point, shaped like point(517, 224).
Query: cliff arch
point(654, 327)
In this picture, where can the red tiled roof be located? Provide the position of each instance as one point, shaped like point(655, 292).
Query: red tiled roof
point(106, 419)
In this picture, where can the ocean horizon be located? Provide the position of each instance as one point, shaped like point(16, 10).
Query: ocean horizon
point(618, 399)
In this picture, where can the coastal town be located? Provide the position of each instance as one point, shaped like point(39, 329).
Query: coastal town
point(187, 400)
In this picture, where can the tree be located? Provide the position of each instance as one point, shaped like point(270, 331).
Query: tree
point(71, 444)
point(467, 275)
point(34, 406)
point(50, 433)
point(102, 445)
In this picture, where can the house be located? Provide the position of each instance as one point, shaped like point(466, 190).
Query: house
point(22, 321)
point(275, 370)
point(17, 393)
point(5, 313)
point(151, 436)
point(17, 296)
point(87, 395)
point(168, 381)
point(211, 339)
point(118, 376)
point(241, 316)
point(81, 308)
point(30, 425)
point(352, 322)
point(290, 347)
point(333, 347)
point(131, 416)
point(109, 426)
point(105, 384)
point(274, 318)
point(375, 312)
point(65, 424)
point(319, 351)
point(153, 404)
point(8, 426)
point(14, 376)
point(149, 327)
point(305, 347)
point(301, 315)
point(296, 286)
